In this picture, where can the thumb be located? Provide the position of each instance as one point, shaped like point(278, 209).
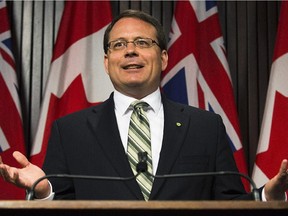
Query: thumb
point(283, 167)
point(21, 159)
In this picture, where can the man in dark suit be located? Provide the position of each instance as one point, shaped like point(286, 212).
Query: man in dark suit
point(94, 141)
point(198, 145)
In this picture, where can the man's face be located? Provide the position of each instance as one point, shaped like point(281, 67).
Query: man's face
point(135, 71)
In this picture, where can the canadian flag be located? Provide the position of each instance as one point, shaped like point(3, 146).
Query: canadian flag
point(77, 77)
point(273, 141)
point(11, 127)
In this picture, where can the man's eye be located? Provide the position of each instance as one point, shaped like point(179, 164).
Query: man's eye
point(119, 44)
point(142, 43)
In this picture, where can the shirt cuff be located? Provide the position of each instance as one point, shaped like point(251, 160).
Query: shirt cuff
point(264, 197)
point(50, 196)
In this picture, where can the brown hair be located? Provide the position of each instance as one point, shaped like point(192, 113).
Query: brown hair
point(142, 16)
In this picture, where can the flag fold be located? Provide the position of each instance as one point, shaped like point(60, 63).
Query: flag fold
point(11, 125)
point(273, 141)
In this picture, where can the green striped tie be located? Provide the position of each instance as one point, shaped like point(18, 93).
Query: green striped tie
point(139, 141)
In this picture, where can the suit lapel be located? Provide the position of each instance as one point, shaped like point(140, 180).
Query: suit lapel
point(175, 128)
point(104, 125)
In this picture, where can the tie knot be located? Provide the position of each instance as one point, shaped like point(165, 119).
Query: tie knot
point(139, 105)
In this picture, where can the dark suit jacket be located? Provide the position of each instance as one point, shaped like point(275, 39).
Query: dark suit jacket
point(88, 143)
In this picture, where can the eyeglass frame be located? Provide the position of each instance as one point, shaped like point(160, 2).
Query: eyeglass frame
point(153, 42)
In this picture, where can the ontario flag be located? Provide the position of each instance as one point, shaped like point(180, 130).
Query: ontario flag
point(77, 77)
point(198, 72)
point(11, 126)
point(273, 141)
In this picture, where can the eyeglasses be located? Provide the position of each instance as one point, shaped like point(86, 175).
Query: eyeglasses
point(139, 42)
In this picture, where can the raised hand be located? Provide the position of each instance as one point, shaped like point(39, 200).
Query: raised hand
point(25, 176)
point(276, 187)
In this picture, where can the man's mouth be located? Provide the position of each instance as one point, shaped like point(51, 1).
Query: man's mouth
point(132, 66)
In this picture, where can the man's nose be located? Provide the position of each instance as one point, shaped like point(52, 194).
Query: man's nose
point(131, 49)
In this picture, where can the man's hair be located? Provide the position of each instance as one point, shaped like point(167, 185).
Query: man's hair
point(160, 35)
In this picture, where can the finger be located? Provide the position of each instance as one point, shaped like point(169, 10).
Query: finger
point(1, 175)
point(1, 167)
point(21, 159)
point(283, 167)
point(5, 172)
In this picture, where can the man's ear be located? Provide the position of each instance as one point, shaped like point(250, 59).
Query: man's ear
point(164, 59)
point(106, 63)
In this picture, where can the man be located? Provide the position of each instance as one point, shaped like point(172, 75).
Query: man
point(95, 141)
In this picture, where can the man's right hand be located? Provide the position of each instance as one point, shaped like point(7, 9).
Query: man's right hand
point(25, 177)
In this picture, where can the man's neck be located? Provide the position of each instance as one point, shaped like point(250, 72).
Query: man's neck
point(137, 94)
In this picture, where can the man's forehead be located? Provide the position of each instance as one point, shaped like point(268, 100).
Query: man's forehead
point(132, 24)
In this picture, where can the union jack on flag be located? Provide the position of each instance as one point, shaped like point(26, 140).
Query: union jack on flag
point(198, 72)
point(11, 128)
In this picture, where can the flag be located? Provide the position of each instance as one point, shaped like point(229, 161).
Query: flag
point(197, 73)
point(273, 140)
point(77, 78)
point(11, 126)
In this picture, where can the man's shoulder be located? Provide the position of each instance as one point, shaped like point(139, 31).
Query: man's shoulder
point(188, 109)
point(86, 112)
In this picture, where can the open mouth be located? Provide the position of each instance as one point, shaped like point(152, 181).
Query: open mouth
point(132, 66)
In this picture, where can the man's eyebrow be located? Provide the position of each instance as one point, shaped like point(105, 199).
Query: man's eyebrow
point(122, 38)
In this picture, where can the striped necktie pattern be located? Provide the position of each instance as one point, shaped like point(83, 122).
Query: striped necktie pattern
point(139, 140)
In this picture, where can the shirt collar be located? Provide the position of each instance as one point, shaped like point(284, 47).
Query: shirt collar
point(122, 102)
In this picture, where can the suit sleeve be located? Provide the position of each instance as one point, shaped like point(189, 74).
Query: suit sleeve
point(228, 186)
point(55, 163)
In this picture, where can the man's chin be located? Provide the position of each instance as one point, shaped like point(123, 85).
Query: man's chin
point(135, 84)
